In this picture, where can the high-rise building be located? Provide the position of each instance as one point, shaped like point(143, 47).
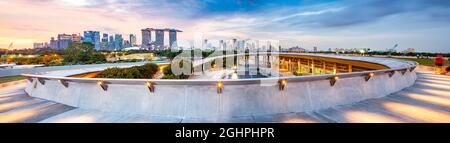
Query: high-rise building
point(111, 43)
point(76, 38)
point(40, 45)
point(118, 42)
point(146, 37)
point(173, 37)
point(132, 40)
point(105, 43)
point(53, 43)
point(126, 44)
point(159, 38)
point(64, 40)
point(92, 37)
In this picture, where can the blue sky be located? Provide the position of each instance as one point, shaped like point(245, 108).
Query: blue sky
point(376, 24)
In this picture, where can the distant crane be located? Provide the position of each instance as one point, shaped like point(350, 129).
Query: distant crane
point(392, 50)
point(9, 48)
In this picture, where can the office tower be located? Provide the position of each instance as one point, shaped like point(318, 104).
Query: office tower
point(64, 40)
point(105, 44)
point(39, 45)
point(118, 42)
point(76, 38)
point(111, 43)
point(126, 44)
point(173, 36)
point(146, 37)
point(159, 38)
point(315, 49)
point(53, 43)
point(132, 40)
point(92, 37)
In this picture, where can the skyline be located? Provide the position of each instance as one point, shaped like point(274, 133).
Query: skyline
point(376, 24)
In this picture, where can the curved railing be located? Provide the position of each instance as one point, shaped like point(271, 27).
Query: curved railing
point(211, 98)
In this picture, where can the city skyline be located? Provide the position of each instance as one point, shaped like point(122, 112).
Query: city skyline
point(376, 24)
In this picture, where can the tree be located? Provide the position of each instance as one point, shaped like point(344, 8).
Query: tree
point(81, 53)
point(145, 71)
point(148, 70)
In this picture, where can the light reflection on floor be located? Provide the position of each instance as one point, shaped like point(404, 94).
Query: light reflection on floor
point(17, 116)
point(438, 92)
point(430, 99)
point(435, 85)
point(421, 114)
point(10, 105)
point(369, 117)
point(77, 119)
point(297, 120)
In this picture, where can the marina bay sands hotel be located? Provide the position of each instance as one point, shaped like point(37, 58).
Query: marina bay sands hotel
point(158, 42)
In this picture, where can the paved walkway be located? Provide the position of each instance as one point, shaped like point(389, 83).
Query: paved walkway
point(428, 100)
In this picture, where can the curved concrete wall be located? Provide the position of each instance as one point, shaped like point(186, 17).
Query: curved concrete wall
point(187, 100)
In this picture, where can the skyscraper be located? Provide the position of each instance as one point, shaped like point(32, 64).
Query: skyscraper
point(118, 42)
point(76, 38)
point(133, 40)
point(53, 43)
point(159, 38)
point(105, 43)
point(146, 37)
point(64, 40)
point(126, 44)
point(93, 37)
point(173, 37)
point(111, 43)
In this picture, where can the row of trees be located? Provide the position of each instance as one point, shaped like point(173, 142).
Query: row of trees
point(76, 53)
point(168, 74)
point(82, 53)
point(49, 60)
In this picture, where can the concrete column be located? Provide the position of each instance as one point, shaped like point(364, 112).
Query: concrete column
point(350, 68)
point(324, 68)
point(257, 62)
point(335, 68)
point(312, 66)
point(289, 65)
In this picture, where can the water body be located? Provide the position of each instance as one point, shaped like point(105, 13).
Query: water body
point(245, 76)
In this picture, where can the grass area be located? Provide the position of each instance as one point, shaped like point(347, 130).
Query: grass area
point(426, 62)
point(11, 78)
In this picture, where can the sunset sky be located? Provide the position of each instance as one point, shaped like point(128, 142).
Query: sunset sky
point(376, 24)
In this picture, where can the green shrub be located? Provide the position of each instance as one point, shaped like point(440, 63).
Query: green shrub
point(167, 70)
point(144, 71)
point(148, 70)
point(169, 75)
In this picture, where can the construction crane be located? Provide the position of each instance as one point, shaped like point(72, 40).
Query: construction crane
point(9, 48)
point(392, 50)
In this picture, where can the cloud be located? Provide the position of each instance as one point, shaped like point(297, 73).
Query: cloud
point(313, 21)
